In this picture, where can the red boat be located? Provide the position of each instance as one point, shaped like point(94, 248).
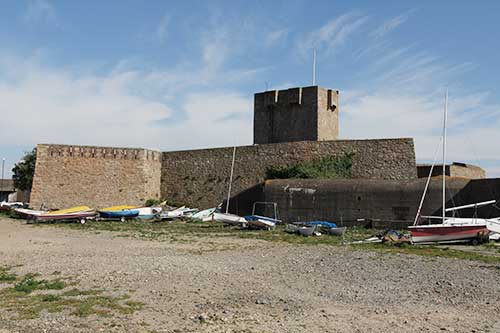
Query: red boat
point(448, 232)
point(451, 228)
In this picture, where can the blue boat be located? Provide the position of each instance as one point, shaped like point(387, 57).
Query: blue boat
point(117, 214)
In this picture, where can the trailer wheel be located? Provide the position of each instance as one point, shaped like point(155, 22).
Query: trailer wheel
point(83, 221)
point(122, 219)
point(475, 241)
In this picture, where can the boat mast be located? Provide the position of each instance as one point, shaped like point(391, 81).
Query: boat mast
point(444, 152)
point(436, 154)
point(230, 180)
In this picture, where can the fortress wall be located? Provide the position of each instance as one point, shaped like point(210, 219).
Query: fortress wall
point(200, 177)
point(95, 176)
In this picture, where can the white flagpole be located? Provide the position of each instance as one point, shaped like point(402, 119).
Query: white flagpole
point(314, 68)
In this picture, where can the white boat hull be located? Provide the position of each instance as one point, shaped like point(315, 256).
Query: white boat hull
point(262, 224)
point(229, 219)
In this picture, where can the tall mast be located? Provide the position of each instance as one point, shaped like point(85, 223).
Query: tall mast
point(314, 68)
point(230, 180)
point(444, 152)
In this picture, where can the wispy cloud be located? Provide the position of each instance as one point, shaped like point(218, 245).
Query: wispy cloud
point(276, 36)
point(331, 36)
point(388, 26)
point(40, 11)
point(162, 28)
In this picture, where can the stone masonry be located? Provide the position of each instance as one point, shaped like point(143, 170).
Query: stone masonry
point(297, 114)
point(200, 177)
point(94, 176)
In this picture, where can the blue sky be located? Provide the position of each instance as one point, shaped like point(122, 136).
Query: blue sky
point(180, 75)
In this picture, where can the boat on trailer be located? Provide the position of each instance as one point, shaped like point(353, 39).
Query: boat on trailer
point(80, 214)
point(119, 214)
point(263, 222)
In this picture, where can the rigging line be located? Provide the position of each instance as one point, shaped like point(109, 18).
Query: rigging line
point(428, 181)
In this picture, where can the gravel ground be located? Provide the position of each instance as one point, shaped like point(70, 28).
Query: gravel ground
point(245, 285)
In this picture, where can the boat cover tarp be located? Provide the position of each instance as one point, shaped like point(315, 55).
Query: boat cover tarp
point(322, 223)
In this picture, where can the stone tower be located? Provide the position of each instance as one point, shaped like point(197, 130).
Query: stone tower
point(296, 114)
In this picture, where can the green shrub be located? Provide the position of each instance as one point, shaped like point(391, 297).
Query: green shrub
point(28, 284)
point(328, 167)
point(151, 202)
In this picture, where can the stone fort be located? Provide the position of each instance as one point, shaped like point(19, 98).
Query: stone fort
point(290, 126)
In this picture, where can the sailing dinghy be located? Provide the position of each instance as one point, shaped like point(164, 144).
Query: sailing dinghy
point(451, 229)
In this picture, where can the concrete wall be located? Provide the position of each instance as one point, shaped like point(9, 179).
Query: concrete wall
point(95, 176)
point(455, 170)
point(296, 114)
point(200, 177)
point(6, 188)
point(387, 203)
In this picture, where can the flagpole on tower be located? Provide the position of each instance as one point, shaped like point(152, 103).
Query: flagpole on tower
point(314, 68)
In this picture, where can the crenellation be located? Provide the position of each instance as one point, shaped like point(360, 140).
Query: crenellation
point(98, 152)
point(296, 114)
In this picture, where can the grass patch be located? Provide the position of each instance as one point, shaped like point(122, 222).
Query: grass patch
point(6, 275)
point(19, 298)
point(29, 284)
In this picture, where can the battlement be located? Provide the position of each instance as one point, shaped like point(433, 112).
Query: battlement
point(307, 96)
point(296, 114)
point(54, 151)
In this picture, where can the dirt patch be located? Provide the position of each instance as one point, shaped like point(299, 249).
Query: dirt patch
point(230, 284)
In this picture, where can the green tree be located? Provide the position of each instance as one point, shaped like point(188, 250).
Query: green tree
point(24, 170)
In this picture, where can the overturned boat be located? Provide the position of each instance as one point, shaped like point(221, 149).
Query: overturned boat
point(206, 215)
point(261, 222)
point(148, 213)
point(230, 219)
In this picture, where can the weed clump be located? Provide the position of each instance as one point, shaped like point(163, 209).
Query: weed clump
point(6, 276)
point(29, 284)
point(19, 297)
point(328, 167)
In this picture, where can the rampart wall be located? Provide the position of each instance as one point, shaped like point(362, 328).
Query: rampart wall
point(95, 176)
point(200, 177)
point(101, 176)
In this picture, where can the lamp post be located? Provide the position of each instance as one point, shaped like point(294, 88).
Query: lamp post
point(3, 165)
